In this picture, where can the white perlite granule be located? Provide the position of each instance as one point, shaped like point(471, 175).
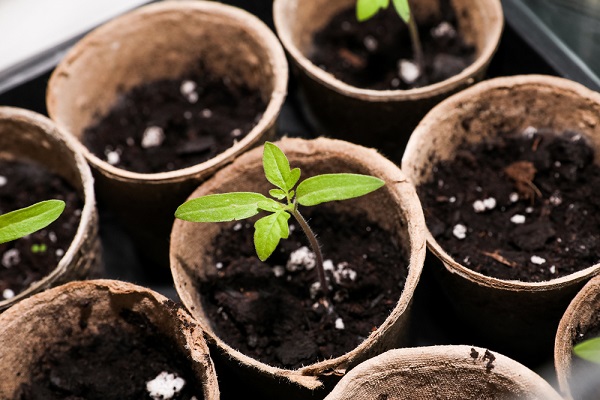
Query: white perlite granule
point(301, 258)
point(459, 231)
point(153, 136)
point(164, 386)
point(513, 197)
point(538, 260)
point(278, 271)
point(408, 71)
point(552, 269)
point(113, 157)
point(485, 204)
point(443, 29)
point(8, 294)
point(529, 132)
point(517, 219)
point(3, 180)
point(10, 258)
point(188, 89)
point(339, 324)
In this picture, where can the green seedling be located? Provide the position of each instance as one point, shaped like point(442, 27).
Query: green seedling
point(366, 9)
point(22, 222)
point(269, 230)
point(589, 350)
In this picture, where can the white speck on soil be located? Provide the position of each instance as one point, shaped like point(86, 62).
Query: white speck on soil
point(302, 258)
point(165, 386)
point(478, 206)
point(188, 90)
point(459, 231)
point(364, 256)
point(576, 138)
point(8, 294)
point(112, 157)
point(314, 289)
point(557, 164)
point(443, 30)
point(206, 113)
point(237, 226)
point(59, 252)
point(489, 203)
point(339, 324)
point(452, 199)
point(395, 82)
point(513, 197)
point(538, 260)
point(292, 228)
point(478, 189)
point(52, 237)
point(552, 269)
point(529, 210)
point(3, 180)
point(518, 219)
point(529, 132)
point(555, 199)
point(467, 260)
point(219, 265)
point(153, 136)
point(408, 71)
point(328, 265)
point(236, 132)
point(10, 258)
point(370, 43)
point(278, 271)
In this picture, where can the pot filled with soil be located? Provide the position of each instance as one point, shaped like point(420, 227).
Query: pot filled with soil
point(442, 372)
point(577, 377)
point(505, 172)
point(103, 340)
point(271, 323)
point(358, 77)
point(162, 97)
point(38, 162)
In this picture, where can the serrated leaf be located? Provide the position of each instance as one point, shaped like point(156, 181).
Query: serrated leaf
point(276, 166)
point(403, 9)
point(588, 350)
point(268, 231)
point(330, 187)
point(277, 193)
point(366, 9)
point(220, 207)
point(270, 205)
point(22, 222)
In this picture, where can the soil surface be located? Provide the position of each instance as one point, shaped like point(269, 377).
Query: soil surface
point(29, 259)
point(266, 310)
point(114, 364)
point(372, 54)
point(174, 123)
point(520, 208)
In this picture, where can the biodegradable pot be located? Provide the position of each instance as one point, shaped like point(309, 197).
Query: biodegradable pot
point(398, 212)
point(126, 52)
point(76, 310)
point(379, 118)
point(29, 136)
point(442, 372)
point(517, 318)
point(583, 313)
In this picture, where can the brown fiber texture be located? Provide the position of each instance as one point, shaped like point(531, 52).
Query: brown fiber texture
point(442, 372)
point(29, 136)
point(529, 312)
point(370, 117)
point(35, 325)
point(394, 207)
point(162, 41)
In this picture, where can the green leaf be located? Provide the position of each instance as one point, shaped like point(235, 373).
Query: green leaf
point(277, 168)
point(268, 231)
point(270, 205)
point(403, 9)
point(589, 350)
point(220, 207)
point(366, 9)
point(329, 187)
point(277, 193)
point(22, 222)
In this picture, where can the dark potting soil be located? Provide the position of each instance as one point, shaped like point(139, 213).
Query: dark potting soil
point(265, 310)
point(29, 259)
point(114, 364)
point(174, 123)
point(522, 207)
point(369, 54)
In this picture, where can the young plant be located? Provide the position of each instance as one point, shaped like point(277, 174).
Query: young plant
point(269, 230)
point(589, 350)
point(366, 9)
point(24, 221)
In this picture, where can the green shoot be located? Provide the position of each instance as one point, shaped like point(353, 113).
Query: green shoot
point(366, 9)
point(269, 230)
point(589, 350)
point(22, 222)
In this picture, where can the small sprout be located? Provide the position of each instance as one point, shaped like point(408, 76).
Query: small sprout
point(22, 222)
point(366, 9)
point(589, 350)
point(269, 230)
point(39, 248)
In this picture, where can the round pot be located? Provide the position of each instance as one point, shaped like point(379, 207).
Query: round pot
point(127, 52)
point(347, 112)
point(442, 372)
point(529, 311)
point(60, 318)
point(398, 212)
point(575, 377)
point(32, 137)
